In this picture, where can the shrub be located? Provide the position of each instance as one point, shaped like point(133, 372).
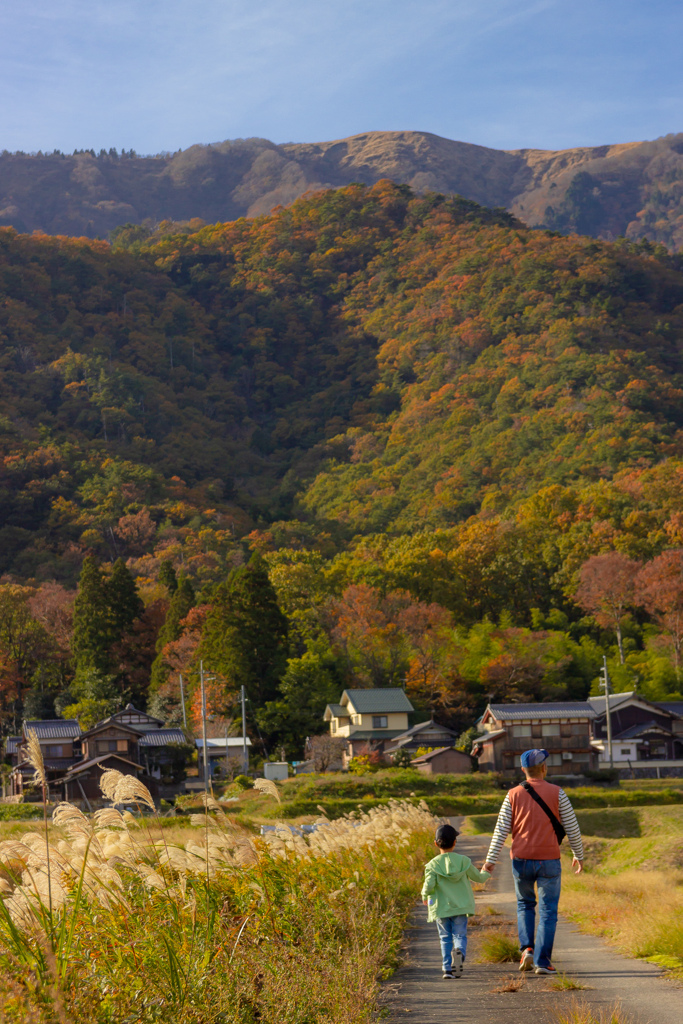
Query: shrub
point(499, 947)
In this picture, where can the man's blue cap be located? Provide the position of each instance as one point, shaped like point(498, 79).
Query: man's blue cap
point(530, 758)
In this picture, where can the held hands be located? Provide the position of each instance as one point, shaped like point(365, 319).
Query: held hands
point(577, 865)
point(487, 866)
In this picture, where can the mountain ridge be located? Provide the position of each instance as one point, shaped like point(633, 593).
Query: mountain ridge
point(633, 189)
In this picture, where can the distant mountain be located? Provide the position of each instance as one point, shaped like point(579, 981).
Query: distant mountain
point(633, 189)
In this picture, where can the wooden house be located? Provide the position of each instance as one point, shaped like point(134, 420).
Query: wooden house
point(59, 741)
point(563, 729)
point(643, 732)
point(425, 734)
point(444, 761)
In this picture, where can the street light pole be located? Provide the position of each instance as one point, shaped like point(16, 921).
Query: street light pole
point(182, 699)
point(206, 771)
point(608, 712)
point(245, 756)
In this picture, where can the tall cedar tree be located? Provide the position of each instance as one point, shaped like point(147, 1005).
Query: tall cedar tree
point(245, 635)
point(167, 576)
point(124, 599)
point(181, 603)
point(94, 623)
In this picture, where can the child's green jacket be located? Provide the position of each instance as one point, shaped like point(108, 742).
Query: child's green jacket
point(447, 885)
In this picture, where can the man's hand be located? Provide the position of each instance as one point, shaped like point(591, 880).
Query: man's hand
point(577, 865)
point(488, 867)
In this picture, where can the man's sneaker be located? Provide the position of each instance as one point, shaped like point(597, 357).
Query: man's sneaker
point(457, 963)
point(527, 961)
point(546, 970)
point(448, 975)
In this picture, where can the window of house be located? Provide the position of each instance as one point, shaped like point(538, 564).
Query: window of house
point(106, 746)
point(521, 730)
point(550, 729)
point(582, 758)
point(52, 750)
point(625, 751)
point(379, 722)
point(122, 745)
point(334, 725)
point(657, 750)
point(554, 760)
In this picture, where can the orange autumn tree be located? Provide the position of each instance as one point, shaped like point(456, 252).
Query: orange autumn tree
point(660, 590)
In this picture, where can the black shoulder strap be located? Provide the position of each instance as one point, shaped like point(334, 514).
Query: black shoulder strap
point(557, 826)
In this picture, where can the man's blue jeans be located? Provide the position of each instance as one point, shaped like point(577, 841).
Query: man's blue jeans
point(547, 876)
point(452, 932)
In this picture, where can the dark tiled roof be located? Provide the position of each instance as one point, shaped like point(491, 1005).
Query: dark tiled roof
point(371, 734)
point(431, 725)
point(83, 766)
point(640, 729)
point(160, 737)
point(12, 743)
point(560, 709)
point(674, 707)
point(615, 701)
point(54, 728)
point(379, 702)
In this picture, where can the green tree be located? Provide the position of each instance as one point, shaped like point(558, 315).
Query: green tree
point(124, 599)
point(309, 684)
point(245, 634)
point(94, 624)
point(167, 576)
point(183, 599)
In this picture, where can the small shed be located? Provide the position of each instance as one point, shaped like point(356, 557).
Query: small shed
point(443, 761)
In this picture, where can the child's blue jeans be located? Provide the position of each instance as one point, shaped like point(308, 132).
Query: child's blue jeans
point(452, 932)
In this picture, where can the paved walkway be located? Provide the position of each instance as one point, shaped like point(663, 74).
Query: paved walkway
point(417, 992)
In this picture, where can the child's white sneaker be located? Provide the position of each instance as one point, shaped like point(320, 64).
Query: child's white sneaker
point(447, 975)
point(457, 963)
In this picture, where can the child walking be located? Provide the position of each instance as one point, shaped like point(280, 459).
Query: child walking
point(447, 892)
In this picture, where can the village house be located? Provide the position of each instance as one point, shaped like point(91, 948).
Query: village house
point(426, 734)
point(563, 729)
point(647, 736)
point(60, 745)
point(368, 720)
point(445, 761)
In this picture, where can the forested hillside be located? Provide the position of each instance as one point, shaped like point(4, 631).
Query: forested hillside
point(633, 189)
point(436, 428)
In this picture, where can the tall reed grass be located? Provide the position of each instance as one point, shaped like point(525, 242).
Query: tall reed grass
point(112, 921)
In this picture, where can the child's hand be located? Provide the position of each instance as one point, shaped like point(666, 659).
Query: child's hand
point(426, 902)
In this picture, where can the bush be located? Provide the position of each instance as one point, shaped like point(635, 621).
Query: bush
point(20, 812)
point(243, 781)
point(499, 947)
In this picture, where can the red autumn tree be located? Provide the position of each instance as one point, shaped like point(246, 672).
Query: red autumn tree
point(607, 590)
point(660, 591)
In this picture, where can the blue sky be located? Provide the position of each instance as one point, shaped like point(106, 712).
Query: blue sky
point(157, 75)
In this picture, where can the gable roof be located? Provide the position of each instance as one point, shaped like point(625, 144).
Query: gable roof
point(108, 723)
point(53, 728)
point(83, 766)
point(380, 701)
point(674, 707)
point(553, 709)
point(640, 729)
point(336, 711)
point(132, 718)
point(160, 737)
point(431, 724)
point(619, 700)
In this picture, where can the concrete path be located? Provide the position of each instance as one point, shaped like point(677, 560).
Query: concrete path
point(417, 992)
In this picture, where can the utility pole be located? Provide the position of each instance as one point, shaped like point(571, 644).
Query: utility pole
point(227, 763)
point(182, 699)
point(605, 684)
point(245, 756)
point(204, 754)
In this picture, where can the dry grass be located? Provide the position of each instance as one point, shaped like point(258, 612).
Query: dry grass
point(563, 983)
point(510, 983)
point(209, 925)
point(582, 1013)
point(498, 946)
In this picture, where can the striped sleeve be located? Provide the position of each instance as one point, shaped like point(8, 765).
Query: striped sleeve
point(502, 830)
point(571, 825)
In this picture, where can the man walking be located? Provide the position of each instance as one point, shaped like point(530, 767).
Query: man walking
point(538, 814)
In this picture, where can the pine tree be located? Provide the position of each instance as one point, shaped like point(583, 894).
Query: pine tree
point(94, 626)
point(124, 599)
point(167, 576)
point(181, 602)
point(245, 634)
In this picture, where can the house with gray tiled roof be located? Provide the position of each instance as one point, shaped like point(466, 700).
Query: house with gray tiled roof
point(368, 720)
point(563, 728)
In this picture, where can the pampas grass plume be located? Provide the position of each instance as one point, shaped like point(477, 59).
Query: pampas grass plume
point(267, 786)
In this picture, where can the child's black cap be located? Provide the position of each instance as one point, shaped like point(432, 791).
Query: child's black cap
point(446, 836)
